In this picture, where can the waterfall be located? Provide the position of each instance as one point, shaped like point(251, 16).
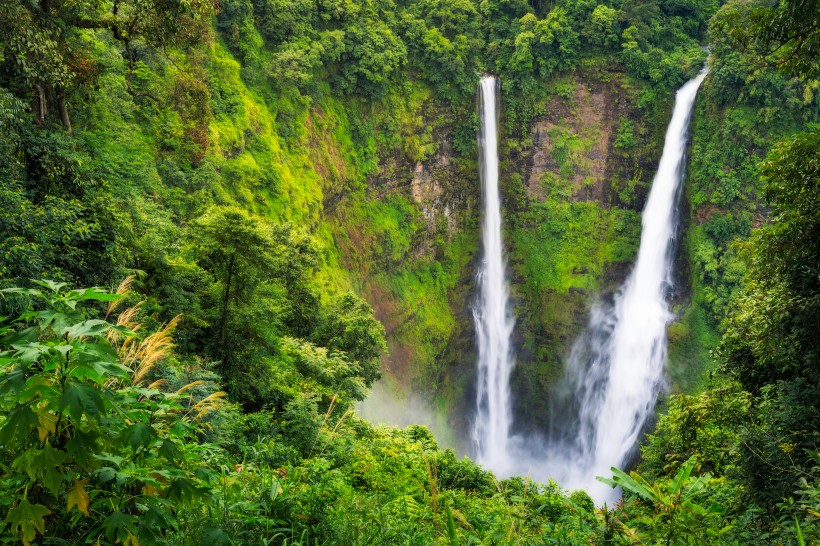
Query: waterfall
point(615, 370)
point(493, 321)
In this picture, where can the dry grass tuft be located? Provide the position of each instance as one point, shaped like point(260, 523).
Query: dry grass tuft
point(208, 404)
point(122, 290)
point(143, 356)
point(158, 384)
point(190, 386)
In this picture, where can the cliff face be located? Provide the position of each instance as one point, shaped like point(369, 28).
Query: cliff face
point(573, 187)
point(410, 237)
point(576, 186)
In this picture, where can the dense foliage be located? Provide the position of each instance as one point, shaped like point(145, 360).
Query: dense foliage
point(238, 163)
point(755, 426)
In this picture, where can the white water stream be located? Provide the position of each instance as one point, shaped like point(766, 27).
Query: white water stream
point(494, 323)
point(615, 371)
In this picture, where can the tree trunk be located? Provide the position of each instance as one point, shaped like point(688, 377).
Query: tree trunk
point(223, 327)
point(64, 111)
point(41, 104)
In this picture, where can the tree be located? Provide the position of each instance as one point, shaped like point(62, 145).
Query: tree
point(296, 260)
point(40, 42)
point(371, 55)
point(237, 249)
point(784, 34)
point(772, 333)
point(601, 28)
point(771, 344)
point(350, 326)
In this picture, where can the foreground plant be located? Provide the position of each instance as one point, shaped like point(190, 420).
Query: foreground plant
point(672, 511)
point(90, 452)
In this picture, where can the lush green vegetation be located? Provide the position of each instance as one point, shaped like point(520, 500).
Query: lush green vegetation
point(251, 166)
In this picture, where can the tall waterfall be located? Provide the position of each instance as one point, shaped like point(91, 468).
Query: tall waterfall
point(616, 367)
point(493, 320)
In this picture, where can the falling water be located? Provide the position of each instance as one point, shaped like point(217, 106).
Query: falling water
point(493, 321)
point(615, 370)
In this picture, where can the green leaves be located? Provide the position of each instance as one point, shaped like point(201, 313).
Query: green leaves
point(44, 465)
point(98, 437)
point(88, 328)
point(139, 436)
point(675, 516)
point(81, 399)
point(20, 421)
point(27, 520)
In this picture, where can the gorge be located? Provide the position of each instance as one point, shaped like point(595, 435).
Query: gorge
point(237, 237)
point(616, 368)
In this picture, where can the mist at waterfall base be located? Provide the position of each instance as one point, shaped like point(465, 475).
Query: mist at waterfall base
point(388, 404)
point(616, 368)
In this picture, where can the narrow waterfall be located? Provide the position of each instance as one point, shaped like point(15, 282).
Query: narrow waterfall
point(616, 367)
point(493, 321)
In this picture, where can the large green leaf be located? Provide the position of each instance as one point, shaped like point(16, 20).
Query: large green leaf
point(88, 328)
point(83, 445)
point(40, 386)
point(87, 351)
point(118, 526)
point(28, 335)
point(24, 291)
point(30, 353)
point(94, 293)
point(19, 424)
point(170, 451)
point(27, 519)
point(185, 491)
point(43, 464)
point(633, 483)
point(54, 286)
point(81, 399)
point(13, 381)
point(139, 436)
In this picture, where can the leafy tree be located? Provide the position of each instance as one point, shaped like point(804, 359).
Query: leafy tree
point(45, 53)
point(281, 21)
point(62, 238)
point(296, 260)
point(708, 426)
point(350, 326)
point(295, 64)
point(333, 374)
point(601, 29)
point(772, 333)
point(779, 447)
point(237, 249)
point(372, 54)
point(784, 34)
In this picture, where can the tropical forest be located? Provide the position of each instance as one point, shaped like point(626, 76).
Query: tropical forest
point(409, 272)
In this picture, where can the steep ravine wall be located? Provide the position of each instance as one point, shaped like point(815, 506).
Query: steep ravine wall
point(410, 237)
point(572, 187)
point(574, 229)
